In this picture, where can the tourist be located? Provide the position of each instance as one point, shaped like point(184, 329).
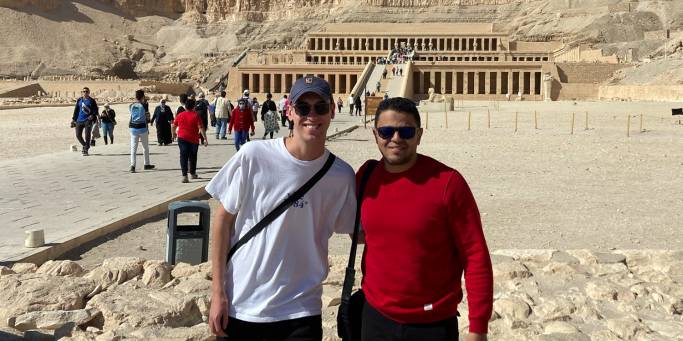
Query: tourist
point(182, 99)
point(255, 108)
point(340, 104)
point(271, 287)
point(393, 71)
point(384, 74)
point(222, 115)
point(400, 72)
point(163, 116)
point(378, 86)
point(139, 132)
point(85, 114)
point(386, 96)
point(189, 127)
point(414, 258)
point(269, 116)
point(351, 102)
point(108, 119)
point(283, 106)
point(242, 120)
point(201, 107)
point(358, 104)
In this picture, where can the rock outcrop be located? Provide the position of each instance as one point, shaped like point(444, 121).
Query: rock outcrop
point(538, 295)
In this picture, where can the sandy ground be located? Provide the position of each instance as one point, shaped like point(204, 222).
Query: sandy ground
point(36, 131)
point(536, 188)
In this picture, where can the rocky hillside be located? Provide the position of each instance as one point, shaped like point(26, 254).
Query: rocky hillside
point(172, 38)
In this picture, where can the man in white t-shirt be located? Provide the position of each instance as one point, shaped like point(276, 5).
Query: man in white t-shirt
point(272, 286)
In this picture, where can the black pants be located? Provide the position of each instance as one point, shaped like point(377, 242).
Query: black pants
point(188, 152)
point(283, 117)
point(302, 329)
point(81, 128)
point(377, 327)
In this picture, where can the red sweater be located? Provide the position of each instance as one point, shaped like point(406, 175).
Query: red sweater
point(422, 230)
point(241, 120)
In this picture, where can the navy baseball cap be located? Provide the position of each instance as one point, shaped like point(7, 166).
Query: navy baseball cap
point(308, 84)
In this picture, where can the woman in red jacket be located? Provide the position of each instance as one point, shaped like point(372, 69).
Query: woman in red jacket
point(242, 120)
point(189, 125)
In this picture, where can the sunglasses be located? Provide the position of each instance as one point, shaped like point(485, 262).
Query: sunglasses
point(304, 109)
point(405, 133)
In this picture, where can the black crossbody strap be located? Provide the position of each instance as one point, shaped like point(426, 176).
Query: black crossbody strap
point(350, 275)
point(283, 206)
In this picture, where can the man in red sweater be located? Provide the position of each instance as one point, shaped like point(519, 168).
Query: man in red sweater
point(422, 230)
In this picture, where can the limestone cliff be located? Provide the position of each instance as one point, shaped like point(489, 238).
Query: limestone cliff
point(45, 5)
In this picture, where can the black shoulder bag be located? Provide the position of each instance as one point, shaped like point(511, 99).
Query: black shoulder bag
point(282, 207)
point(349, 317)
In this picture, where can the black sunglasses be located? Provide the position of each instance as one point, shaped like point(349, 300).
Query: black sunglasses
point(405, 133)
point(304, 109)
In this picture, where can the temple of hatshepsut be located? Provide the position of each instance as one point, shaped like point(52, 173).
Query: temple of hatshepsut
point(464, 60)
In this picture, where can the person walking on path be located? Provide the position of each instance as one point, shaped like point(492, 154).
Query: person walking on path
point(384, 73)
point(202, 109)
point(358, 105)
point(351, 102)
point(283, 106)
point(378, 86)
point(163, 116)
point(182, 99)
point(340, 104)
point(414, 259)
point(222, 116)
point(108, 119)
point(85, 114)
point(255, 107)
point(269, 117)
point(241, 119)
point(139, 132)
point(271, 287)
point(189, 128)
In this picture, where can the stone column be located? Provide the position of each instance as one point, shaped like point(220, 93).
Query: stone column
point(510, 72)
point(499, 81)
point(521, 82)
point(532, 83)
point(261, 86)
point(547, 86)
point(487, 82)
point(476, 82)
point(465, 81)
point(443, 82)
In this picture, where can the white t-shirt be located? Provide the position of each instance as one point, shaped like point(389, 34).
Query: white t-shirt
point(278, 274)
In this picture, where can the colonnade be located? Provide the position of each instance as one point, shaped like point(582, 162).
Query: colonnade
point(335, 59)
point(417, 43)
point(478, 82)
point(281, 82)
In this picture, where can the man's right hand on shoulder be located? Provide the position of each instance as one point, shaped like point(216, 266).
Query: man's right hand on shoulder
point(218, 314)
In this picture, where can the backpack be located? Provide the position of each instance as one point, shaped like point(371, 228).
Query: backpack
point(201, 106)
point(138, 116)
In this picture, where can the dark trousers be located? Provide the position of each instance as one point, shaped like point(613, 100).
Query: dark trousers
point(302, 329)
point(84, 128)
point(188, 152)
point(283, 117)
point(377, 327)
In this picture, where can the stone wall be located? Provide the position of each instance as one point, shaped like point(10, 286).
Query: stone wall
point(655, 93)
point(587, 72)
point(576, 91)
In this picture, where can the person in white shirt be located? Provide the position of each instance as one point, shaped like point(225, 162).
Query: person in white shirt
point(222, 116)
point(271, 288)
